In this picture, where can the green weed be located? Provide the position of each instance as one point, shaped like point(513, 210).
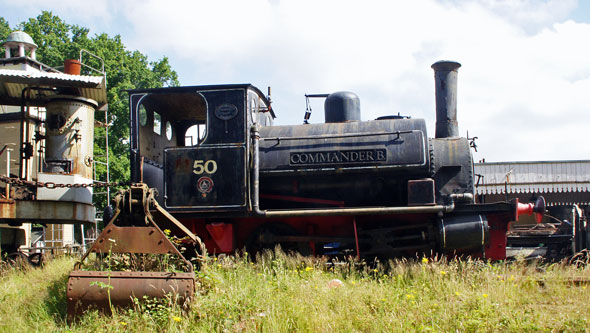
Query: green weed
point(278, 292)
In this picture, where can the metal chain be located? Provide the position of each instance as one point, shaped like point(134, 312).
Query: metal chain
point(52, 185)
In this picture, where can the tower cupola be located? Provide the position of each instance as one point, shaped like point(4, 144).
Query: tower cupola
point(22, 41)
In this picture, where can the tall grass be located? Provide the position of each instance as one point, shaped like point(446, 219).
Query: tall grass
point(278, 292)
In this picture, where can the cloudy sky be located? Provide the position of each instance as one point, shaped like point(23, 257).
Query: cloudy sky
point(524, 84)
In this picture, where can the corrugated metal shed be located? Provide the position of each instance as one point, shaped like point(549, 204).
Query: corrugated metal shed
point(533, 177)
point(12, 83)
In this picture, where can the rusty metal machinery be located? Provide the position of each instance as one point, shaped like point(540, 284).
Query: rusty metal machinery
point(134, 236)
point(49, 126)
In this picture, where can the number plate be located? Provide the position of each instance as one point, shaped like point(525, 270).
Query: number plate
point(205, 177)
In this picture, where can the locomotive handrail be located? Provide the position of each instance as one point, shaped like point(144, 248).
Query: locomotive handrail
point(327, 211)
point(336, 136)
point(358, 211)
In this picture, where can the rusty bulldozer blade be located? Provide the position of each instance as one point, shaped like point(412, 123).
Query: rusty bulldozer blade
point(133, 233)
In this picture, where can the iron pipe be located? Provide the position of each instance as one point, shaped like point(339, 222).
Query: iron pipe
point(445, 88)
point(467, 197)
point(359, 211)
point(21, 169)
point(335, 136)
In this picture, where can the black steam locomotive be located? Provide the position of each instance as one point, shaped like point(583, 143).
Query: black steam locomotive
point(379, 187)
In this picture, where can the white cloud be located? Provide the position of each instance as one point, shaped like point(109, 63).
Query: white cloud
point(203, 30)
point(530, 15)
point(79, 11)
point(524, 79)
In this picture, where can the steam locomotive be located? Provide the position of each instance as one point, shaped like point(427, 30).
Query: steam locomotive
point(366, 188)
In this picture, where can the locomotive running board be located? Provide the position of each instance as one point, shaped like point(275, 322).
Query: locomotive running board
point(132, 230)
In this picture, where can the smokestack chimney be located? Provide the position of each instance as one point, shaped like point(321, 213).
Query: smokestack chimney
point(445, 87)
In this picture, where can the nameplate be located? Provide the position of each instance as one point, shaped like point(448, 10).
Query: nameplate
point(365, 156)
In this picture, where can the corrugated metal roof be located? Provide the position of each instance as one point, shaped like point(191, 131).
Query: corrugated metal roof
point(533, 177)
point(14, 81)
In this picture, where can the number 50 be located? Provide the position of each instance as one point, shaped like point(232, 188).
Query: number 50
point(201, 166)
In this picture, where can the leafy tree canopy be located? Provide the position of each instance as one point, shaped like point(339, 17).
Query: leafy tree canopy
point(125, 69)
point(4, 29)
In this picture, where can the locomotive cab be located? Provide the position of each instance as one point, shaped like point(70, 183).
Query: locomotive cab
point(191, 143)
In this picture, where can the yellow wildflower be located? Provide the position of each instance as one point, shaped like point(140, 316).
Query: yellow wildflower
point(307, 269)
point(375, 270)
point(167, 232)
point(122, 323)
point(443, 273)
point(485, 295)
point(409, 296)
point(457, 293)
point(424, 260)
point(176, 319)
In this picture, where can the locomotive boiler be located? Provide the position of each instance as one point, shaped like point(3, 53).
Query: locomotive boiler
point(368, 188)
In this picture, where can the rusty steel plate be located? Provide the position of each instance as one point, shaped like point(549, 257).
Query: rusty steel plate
point(88, 290)
point(132, 240)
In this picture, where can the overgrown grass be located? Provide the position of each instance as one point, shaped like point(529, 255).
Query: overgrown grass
point(278, 292)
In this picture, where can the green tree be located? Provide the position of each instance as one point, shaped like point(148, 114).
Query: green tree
point(4, 29)
point(125, 69)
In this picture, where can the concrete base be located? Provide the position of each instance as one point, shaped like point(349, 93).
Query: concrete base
point(46, 212)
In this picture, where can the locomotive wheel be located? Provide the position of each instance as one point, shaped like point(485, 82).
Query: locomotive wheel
point(17, 259)
point(580, 259)
point(36, 259)
point(262, 239)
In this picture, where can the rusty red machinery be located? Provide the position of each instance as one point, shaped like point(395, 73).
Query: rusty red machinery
point(134, 238)
point(49, 122)
point(47, 128)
